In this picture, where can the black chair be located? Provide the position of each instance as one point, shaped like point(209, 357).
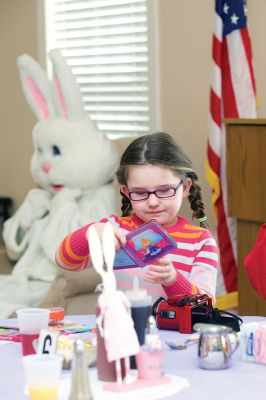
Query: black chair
point(6, 204)
point(5, 208)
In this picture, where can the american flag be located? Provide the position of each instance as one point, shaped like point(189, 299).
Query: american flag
point(233, 95)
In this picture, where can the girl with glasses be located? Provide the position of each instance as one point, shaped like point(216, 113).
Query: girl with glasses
point(155, 175)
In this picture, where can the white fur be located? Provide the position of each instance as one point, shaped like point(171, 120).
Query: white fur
point(84, 169)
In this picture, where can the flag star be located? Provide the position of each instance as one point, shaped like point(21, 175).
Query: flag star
point(226, 8)
point(234, 19)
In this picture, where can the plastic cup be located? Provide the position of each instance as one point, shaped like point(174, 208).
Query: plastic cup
point(30, 322)
point(42, 373)
point(149, 364)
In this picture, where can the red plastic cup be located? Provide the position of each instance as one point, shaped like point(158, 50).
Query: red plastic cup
point(30, 322)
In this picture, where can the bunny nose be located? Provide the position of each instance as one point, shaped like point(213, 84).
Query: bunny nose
point(46, 166)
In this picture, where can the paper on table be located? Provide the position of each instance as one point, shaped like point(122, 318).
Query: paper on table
point(69, 327)
point(5, 342)
point(157, 392)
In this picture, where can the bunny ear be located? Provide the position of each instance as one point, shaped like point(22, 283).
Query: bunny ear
point(68, 94)
point(109, 246)
point(36, 87)
point(95, 249)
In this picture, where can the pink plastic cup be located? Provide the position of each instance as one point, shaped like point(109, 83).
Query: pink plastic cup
point(150, 364)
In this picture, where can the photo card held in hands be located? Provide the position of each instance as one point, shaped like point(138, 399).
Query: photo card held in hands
point(144, 245)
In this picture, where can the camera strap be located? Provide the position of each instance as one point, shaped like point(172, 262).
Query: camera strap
point(218, 317)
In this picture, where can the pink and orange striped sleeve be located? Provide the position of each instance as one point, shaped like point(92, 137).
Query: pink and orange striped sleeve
point(73, 252)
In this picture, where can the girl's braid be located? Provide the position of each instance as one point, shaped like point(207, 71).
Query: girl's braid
point(126, 207)
point(195, 199)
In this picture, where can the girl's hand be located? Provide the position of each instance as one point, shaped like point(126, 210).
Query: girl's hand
point(163, 272)
point(120, 239)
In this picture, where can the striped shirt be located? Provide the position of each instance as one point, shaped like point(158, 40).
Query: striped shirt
point(195, 258)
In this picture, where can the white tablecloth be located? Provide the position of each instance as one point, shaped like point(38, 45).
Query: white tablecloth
point(243, 381)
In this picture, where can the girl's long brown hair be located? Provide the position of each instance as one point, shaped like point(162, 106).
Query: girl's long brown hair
point(161, 149)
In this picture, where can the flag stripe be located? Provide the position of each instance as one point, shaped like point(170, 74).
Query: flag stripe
point(215, 108)
point(247, 45)
point(216, 79)
point(216, 51)
point(244, 94)
point(229, 101)
point(215, 160)
point(215, 137)
point(218, 27)
point(228, 264)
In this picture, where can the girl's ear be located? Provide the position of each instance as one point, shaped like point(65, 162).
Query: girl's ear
point(124, 190)
point(186, 187)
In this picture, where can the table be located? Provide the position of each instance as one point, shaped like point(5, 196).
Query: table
point(241, 381)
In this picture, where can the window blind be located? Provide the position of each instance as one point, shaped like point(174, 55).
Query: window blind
point(106, 43)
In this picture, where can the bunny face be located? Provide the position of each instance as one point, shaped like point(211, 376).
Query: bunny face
point(69, 151)
point(71, 154)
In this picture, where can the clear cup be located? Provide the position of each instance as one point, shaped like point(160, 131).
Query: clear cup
point(30, 322)
point(42, 373)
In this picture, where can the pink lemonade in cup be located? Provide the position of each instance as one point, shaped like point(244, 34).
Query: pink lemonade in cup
point(29, 343)
point(30, 322)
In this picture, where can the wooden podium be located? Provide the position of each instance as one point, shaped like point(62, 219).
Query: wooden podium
point(246, 186)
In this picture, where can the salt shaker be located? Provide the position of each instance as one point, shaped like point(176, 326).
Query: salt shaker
point(80, 386)
point(152, 338)
point(150, 358)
